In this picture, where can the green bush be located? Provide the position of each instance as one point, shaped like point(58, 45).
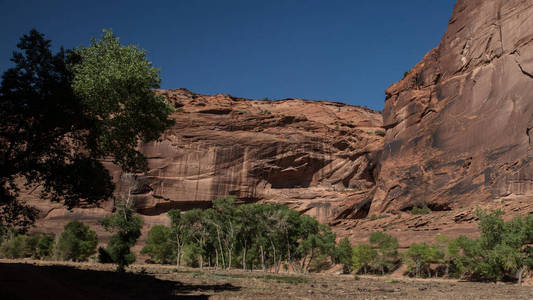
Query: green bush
point(127, 229)
point(38, 246)
point(380, 132)
point(420, 210)
point(15, 247)
point(77, 242)
point(158, 245)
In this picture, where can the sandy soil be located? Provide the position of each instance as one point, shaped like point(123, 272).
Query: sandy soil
point(58, 280)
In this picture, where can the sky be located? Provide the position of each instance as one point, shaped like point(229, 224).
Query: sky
point(340, 50)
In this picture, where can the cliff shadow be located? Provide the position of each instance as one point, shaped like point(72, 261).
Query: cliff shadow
point(27, 281)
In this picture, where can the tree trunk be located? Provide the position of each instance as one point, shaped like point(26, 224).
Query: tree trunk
point(262, 258)
point(244, 258)
point(216, 258)
point(274, 258)
point(221, 250)
point(520, 274)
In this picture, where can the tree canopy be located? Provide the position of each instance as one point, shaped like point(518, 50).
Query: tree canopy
point(62, 112)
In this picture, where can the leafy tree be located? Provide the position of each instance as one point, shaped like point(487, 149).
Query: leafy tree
point(15, 247)
point(343, 254)
point(363, 258)
point(198, 223)
point(60, 113)
point(418, 258)
point(158, 245)
point(179, 233)
point(77, 242)
point(502, 251)
point(316, 244)
point(387, 246)
point(115, 83)
point(450, 255)
point(127, 228)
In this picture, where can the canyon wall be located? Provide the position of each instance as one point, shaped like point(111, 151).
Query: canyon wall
point(459, 124)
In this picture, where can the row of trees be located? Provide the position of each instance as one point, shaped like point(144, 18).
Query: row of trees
point(78, 242)
point(502, 252)
point(249, 236)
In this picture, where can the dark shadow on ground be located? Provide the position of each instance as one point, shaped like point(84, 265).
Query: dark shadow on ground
point(26, 281)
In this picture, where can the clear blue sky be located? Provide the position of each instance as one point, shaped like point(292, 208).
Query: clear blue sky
point(348, 51)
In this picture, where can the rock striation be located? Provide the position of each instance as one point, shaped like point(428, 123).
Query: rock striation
point(459, 131)
point(459, 124)
point(313, 156)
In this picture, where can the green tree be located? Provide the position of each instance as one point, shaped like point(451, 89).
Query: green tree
point(77, 242)
point(60, 113)
point(127, 229)
point(418, 258)
point(450, 250)
point(363, 258)
point(198, 223)
point(343, 254)
point(158, 245)
point(115, 84)
point(387, 246)
point(179, 233)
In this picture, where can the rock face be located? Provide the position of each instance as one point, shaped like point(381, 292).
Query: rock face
point(317, 157)
point(459, 131)
point(459, 125)
point(310, 155)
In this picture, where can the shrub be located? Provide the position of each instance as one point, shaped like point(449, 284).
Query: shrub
point(44, 246)
point(420, 210)
point(380, 132)
point(15, 247)
point(77, 242)
point(127, 228)
point(158, 245)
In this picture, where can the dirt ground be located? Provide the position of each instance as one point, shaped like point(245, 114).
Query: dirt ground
point(58, 280)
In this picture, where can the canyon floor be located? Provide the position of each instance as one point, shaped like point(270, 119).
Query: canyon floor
point(29, 279)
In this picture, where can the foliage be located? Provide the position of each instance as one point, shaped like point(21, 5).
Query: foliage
point(363, 257)
point(419, 256)
point(115, 83)
point(61, 112)
point(503, 250)
point(127, 228)
point(178, 233)
point(158, 245)
point(387, 248)
point(77, 242)
point(420, 210)
point(246, 236)
point(343, 255)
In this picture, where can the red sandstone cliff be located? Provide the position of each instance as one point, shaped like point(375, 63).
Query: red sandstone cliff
point(459, 124)
point(458, 137)
point(314, 156)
